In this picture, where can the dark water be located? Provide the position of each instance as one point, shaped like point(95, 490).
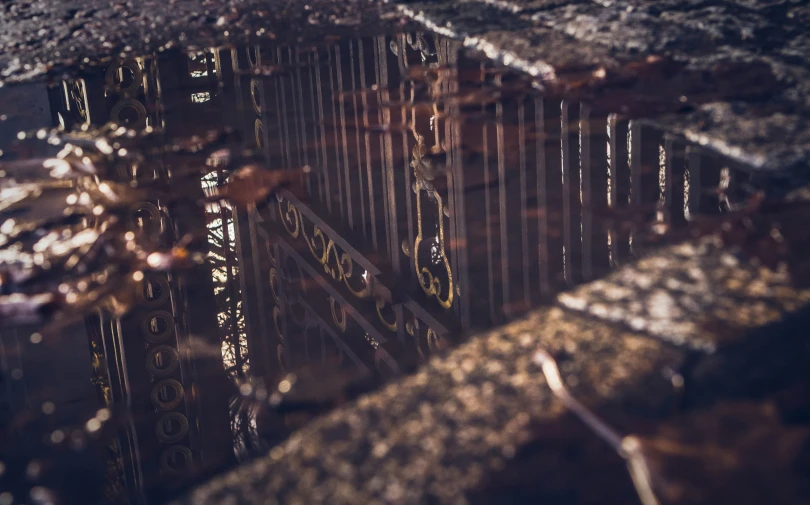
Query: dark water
point(386, 197)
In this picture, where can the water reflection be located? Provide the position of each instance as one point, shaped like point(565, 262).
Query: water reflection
point(435, 195)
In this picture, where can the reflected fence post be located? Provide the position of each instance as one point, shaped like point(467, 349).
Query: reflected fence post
point(417, 255)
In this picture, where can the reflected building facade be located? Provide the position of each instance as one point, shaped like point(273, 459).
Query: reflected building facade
point(438, 195)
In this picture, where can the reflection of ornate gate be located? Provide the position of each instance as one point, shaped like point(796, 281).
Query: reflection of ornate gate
point(430, 207)
point(145, 357)
point(438, 199)
point(344, 160)
point(467, 222)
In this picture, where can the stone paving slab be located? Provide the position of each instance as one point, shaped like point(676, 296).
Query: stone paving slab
point(699, 295)
point(432, 436)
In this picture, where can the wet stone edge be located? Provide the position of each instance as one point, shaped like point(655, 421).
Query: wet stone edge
point(433, 436)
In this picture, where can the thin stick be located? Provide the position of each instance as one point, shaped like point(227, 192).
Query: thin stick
point(628, 447)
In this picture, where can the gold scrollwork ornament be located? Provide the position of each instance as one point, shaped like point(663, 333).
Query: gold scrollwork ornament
point(114, 77)
point(429, 283)
point(339, 320)
point(175, 459)
point(391, 326)
point(167, 403)
point(337, 264)
point(165, 424)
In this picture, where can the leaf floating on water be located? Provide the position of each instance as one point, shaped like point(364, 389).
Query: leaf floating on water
point(66, 243)
point(251, 184)
point(196, 145)
point(18, 308)
point(178, 258)
point(11, 196)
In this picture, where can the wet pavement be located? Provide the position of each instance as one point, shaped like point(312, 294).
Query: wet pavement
point(272, 232)
point(750, 56)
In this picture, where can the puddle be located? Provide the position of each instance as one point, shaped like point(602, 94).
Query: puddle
point(386, 197)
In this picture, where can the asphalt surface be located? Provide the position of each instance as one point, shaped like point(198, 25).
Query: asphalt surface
point(46, 35)
point(740, 66)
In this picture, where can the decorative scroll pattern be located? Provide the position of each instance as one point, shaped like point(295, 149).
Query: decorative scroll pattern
point(426, 339)
point(427, 163)
point(336, 263)
point(115, 485)
point(135, 82)
point(430, 283)
point(338, 314)
point(289, 309)
point(133, 87)
point(321, 320)
point(427, 252)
